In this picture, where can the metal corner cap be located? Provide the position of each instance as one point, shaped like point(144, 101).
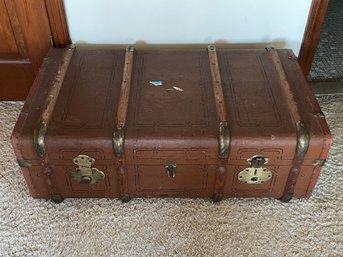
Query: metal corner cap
point(39, 139)
point(130, 48)
point(118, 140)
point(211, 47)
point(224, 139)
point(24, 163)
point(303, 139)
point(270, 48)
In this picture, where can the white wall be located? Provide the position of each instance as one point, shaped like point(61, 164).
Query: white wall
point(279, 22)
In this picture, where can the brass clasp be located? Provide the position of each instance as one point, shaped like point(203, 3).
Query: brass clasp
point(84, 173)
point(257, 173)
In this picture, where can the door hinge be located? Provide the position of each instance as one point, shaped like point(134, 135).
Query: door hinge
point(52, 41)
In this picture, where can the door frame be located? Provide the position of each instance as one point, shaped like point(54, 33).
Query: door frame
point(315, 20)
point(311, 36)
point(58, 23)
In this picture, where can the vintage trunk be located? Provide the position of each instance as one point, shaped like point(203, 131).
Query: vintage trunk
point(170, 123)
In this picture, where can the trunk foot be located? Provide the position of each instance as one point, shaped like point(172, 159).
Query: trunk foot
point(217, 198)
point(56, 198)
point(286, 198)
point(125, 198)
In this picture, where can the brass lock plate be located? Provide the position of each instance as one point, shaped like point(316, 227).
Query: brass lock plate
point(257, 173)
point(84, 173)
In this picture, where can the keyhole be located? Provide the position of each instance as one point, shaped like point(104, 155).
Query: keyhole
point(86, 180)
point(171, 168)
point(171, 171)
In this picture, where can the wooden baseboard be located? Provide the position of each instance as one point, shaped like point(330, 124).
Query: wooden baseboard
point(327, 88)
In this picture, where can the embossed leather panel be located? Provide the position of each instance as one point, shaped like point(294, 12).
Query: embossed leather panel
point(85, 111)
point(179, 114)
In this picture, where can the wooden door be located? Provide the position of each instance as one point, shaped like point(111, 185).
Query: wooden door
point(27, 29)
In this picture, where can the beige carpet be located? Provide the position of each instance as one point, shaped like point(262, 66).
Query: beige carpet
point(172, 227)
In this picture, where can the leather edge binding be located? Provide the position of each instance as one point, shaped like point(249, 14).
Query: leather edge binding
point(303, 142)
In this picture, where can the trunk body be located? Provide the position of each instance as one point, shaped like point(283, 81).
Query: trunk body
point(171, 123)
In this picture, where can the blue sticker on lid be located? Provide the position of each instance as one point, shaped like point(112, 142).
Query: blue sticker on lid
point(156, 83)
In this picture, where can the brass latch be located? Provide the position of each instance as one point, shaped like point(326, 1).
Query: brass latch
point(257, 173)
point(84, 173)
point(171, 169)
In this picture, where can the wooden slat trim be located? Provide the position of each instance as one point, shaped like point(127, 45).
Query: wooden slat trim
point(223, 130)
point(312, 34)
point(56, 86)
point(119, 131)
point(217, 83)
point(125, 87)
point(285, 86)
point(49, 105)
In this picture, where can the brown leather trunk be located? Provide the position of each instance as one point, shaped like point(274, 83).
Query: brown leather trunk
point(209, 122)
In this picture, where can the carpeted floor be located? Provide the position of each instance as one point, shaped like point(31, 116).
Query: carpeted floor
point(328, 61)
point(172, 227)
